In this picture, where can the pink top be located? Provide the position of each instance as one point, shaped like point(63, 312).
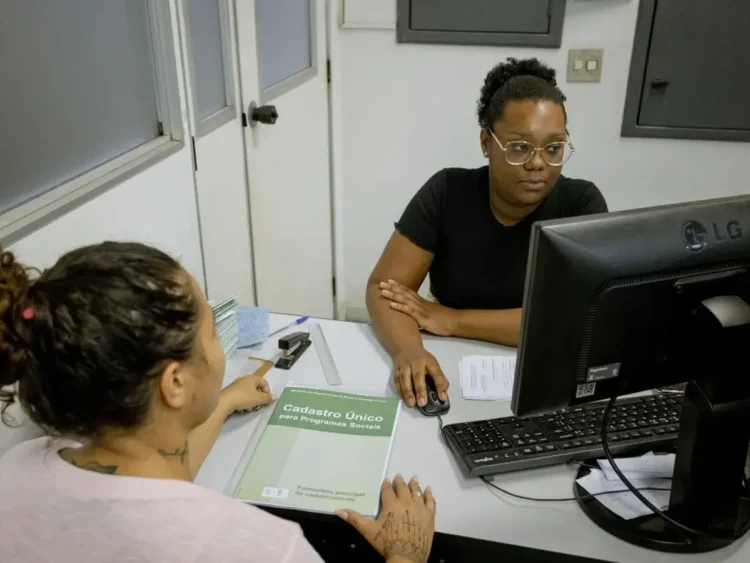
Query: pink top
point(53, 511)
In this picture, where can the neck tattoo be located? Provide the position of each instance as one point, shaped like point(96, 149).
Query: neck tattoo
point(96, 467)
point(178, 453)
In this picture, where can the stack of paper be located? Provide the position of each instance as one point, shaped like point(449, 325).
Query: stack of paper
point(487, 378)
point(226, 324)
point(646, 472)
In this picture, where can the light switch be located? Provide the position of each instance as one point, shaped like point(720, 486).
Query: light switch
point(585, 65)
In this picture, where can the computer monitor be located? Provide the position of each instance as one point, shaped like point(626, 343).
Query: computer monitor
point(626, 302)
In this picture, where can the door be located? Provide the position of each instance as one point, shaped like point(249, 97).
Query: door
point(282, 54)
point(210, 48)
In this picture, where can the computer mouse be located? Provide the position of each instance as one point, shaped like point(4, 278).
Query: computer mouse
point(434, 406)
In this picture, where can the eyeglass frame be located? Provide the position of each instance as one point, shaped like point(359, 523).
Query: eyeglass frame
point(568, 141)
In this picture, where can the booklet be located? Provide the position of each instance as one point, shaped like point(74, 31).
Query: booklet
point(322, 451)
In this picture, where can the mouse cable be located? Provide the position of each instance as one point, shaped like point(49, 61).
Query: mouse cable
point(561, 499)
point(639, 496)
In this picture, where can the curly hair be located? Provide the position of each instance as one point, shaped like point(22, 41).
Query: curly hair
point(527, 79)
point(81, 345)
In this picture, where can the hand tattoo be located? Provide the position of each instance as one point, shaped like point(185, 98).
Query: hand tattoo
point(404, 536)
point(96, 467)
point(179, 452)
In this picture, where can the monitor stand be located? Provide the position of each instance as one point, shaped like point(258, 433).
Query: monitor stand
point(709, 492)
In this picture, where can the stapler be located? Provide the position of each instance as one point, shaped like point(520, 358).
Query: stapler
point(292, 347)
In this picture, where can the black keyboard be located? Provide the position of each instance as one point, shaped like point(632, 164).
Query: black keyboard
point(501, 445)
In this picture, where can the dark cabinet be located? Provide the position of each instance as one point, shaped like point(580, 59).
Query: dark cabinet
point(690, 72)
point(531, 23)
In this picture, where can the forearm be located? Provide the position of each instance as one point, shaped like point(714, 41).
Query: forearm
point(203, 438)
point(397, 332)
point(499, 326)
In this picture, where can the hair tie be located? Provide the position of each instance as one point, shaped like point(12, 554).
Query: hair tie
point(27, 313)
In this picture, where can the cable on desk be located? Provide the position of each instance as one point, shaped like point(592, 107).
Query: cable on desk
point(589, 464)
point(638, 495)
point(566, 499)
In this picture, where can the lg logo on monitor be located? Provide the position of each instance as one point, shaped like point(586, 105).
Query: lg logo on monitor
point(696, 236)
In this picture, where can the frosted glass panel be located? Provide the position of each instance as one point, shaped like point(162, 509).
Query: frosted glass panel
point(207, 54)
point(284, 37)
point(78, 89)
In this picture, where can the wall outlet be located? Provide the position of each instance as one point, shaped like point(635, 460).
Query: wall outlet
point(585, 65)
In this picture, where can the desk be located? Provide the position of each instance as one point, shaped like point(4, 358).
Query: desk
point(466, 507)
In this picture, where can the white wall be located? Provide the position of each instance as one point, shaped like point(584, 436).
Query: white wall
point(409, 110)
point(156, 207)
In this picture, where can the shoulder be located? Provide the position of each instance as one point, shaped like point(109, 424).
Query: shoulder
point(465, 177)
point(31, 451)
point(573, 196)
point(452, 178)
point(577, 187)
point(453, 184)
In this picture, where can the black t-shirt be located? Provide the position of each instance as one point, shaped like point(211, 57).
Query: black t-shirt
point(480, 263)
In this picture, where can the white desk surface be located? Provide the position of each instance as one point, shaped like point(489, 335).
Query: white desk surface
point(466, 507)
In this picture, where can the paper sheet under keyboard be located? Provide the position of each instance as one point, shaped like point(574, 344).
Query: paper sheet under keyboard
point(487, 378)
point(647, 466)
point(625, 504)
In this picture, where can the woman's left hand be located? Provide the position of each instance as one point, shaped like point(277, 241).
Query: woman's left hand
point(431, 317)
point(248, 393)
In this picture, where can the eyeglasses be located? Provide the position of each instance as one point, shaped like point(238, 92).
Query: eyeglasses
point(518, 153)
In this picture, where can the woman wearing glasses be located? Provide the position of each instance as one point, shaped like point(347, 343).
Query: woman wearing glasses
point(470, 229)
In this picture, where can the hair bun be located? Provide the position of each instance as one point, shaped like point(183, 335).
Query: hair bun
point(14, 354)
point(502, 74)
point(13, 284)
point(511, 68)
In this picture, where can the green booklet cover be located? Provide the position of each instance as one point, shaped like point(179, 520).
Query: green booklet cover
point(322, 450)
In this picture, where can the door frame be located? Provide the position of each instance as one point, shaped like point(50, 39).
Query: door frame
point(335, 19)
point(333, 10)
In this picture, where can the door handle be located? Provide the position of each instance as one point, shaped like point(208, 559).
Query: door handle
point(659, 83)
point(262, 114)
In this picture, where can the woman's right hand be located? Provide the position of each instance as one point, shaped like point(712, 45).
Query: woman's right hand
point(410, 369)
point(405, 528)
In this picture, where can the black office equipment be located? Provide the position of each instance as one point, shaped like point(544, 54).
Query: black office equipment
point(532, 23)
point(434, 406)
point(620, 303)
point(501, 445)
point(293, 346)
point(665, 98)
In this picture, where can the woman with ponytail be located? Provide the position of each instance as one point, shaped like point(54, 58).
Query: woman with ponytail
point(114, 353)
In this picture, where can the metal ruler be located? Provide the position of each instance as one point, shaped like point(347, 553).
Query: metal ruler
point(324, 355)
